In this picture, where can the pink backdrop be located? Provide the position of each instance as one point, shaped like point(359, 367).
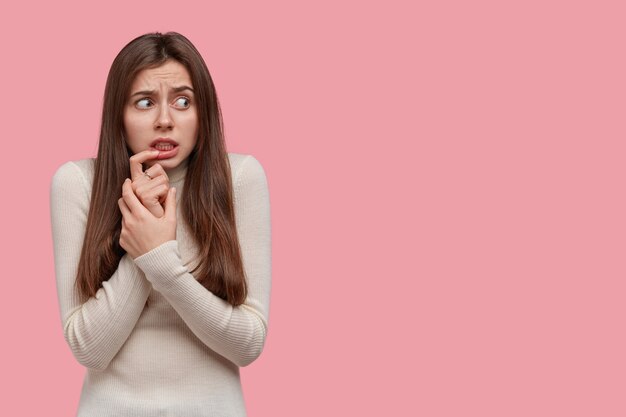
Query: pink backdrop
point(447, 190)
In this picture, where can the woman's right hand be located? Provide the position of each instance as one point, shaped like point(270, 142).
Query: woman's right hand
point(150, 191)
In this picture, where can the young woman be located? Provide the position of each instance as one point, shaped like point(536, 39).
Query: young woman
point(162, 244)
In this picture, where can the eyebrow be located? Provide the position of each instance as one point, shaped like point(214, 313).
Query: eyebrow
point(175, 90)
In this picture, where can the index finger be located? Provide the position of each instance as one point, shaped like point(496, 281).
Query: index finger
point(131, 200)
point(136, 170)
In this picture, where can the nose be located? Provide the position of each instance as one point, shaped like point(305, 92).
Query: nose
point(164, 119)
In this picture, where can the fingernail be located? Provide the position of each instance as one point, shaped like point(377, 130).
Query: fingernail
point(174, 190)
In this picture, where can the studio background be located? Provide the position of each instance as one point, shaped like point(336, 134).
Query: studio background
point(447, 195)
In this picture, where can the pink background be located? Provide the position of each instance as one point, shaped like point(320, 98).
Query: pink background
point(447, 190)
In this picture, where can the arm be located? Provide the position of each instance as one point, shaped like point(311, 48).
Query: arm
point(237, 333)
point(96, 329)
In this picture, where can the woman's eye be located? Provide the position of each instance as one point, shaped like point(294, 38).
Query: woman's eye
point(139, 101)
point(184, 99)
point(181, 102)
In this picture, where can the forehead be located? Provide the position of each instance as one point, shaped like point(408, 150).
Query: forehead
point(170, 73)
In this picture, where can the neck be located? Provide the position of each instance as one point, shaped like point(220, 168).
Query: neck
point(177, 173)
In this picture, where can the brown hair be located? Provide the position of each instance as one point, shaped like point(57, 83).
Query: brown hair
point(207, 199)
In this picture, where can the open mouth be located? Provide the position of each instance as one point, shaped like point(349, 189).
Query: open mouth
point(166, 151)
point(164, 147)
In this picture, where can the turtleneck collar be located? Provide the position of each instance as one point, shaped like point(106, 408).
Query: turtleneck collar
point(178, 173)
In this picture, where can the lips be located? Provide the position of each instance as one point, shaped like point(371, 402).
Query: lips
point(163, 141)
point(166, 154)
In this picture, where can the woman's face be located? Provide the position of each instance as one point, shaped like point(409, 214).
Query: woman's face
point(161, 104)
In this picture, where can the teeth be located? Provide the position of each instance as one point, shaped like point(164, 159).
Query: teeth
point(164, 147)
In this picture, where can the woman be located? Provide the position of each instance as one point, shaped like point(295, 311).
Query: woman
point(162, 244)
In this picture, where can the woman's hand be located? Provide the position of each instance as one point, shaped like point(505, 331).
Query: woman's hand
point(151, 191)
point(141, 230)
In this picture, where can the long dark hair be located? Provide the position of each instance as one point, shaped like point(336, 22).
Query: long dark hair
point(207, 200)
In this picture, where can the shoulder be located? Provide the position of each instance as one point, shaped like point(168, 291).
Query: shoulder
point(249, 177)
point(245, 168)
point(70, 191)
point(76, 174)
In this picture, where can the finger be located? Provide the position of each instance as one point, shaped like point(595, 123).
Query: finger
point(125, 211)
point(150, 187)
point(170, 204)
point(162, 193)
point(131, 200)
point(156, 171)
point(136, 170)
point(123, 208)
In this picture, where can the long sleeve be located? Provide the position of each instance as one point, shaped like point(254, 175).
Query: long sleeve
point(237, 333)
point(95, 330)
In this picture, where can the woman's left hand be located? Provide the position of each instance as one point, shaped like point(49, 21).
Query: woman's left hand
point(141, 230)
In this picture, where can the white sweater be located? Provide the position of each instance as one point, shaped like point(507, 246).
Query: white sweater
point(179, 355)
